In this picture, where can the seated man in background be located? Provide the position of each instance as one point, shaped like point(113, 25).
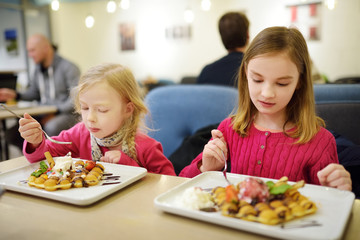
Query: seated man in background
point(51, 83)
point(234, 31)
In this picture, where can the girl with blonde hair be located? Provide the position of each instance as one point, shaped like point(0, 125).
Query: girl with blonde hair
point(275, 131)
point(111, 107)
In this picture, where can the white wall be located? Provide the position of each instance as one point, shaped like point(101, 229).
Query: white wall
point(336, 54)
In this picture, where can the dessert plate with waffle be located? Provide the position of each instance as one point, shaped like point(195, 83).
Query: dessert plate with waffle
point(70, 180)
point(275, 208)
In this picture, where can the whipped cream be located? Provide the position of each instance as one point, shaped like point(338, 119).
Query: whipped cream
point(195, 198)
point(63, 164)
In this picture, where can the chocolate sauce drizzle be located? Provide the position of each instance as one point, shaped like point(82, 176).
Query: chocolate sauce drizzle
point(108, 183)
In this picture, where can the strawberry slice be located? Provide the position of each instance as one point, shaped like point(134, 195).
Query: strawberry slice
point(89, 165)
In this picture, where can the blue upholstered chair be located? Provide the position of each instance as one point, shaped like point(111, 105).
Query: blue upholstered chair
point(339, 106)
point(178, 111)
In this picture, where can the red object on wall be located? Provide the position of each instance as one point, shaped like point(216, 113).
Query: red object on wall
point(313, 10)
point(313, 34)
point(293, 13)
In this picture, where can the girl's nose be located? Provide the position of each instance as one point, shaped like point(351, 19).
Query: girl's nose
point(91, 117)
point(268, 91)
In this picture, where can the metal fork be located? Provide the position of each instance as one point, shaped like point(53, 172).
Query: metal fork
point(46, 135)
point(225, 169)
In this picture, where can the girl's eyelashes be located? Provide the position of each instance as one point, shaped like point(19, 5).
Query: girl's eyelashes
point(83, 105)
point(84, 108)
point(103, 110)
point(100, 109)
point(255, 78)
point(282, 84)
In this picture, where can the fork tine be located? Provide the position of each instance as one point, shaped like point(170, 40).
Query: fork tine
point(52, 140)
point(9, 110)
point(225, 169)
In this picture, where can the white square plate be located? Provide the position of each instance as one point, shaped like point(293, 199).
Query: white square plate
point(334, 208)
point(78, 196)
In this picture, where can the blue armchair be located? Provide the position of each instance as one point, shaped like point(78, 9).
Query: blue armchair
point(178, 111)
point(339, 106)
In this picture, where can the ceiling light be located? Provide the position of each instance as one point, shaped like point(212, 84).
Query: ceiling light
point(125, 4)
point(55, 5)
point(330, 4)
point(89, 21)
point(111, 6)
point(188, 15)
point(205, 5)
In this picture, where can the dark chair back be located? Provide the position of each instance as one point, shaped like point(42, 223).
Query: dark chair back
point(8, 80)
point(339, 106)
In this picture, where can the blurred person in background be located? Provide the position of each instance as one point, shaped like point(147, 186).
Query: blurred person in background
point(51, 82)
point(234, 32)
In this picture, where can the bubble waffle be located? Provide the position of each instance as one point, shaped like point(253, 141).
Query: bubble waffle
point(277, 208)
point(76, 176)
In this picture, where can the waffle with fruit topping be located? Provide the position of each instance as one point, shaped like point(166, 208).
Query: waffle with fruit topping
point(64, 174)
point(268, 203)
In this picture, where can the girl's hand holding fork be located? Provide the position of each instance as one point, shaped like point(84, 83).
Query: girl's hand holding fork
point(30, 130)
point(214, 153)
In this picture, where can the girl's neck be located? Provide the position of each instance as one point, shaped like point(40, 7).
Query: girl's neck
point(271, 123)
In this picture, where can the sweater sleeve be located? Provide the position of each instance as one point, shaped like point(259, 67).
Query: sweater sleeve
point(157, 162)
point(151, 156)
point(74, 135)
point(192, 170)
point(38, 154)
point(126, 160)
point(327, 145)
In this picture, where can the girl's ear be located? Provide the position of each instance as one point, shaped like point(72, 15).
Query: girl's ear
point(129, 109)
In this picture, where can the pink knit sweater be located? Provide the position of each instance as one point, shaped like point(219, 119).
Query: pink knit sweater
point(273, 155)
point(149, 151)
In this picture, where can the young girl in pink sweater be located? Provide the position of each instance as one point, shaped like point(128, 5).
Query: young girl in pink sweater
point(275, 131)
point(111, 107)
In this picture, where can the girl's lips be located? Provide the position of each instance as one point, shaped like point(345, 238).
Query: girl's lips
point(93, 130)
point(266, 104)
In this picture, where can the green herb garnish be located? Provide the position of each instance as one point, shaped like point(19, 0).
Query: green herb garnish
point(275, 190)
point(270, 184)
point(43, 168)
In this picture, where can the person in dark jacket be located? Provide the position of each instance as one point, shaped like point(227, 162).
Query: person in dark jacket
point(234, 32)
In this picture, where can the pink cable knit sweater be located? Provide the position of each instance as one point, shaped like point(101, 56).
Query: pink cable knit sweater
point(273, 155)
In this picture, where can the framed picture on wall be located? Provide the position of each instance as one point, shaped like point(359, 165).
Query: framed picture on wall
point(127, 36)
point(307, 18)
point(11, 42)
point(178, 32)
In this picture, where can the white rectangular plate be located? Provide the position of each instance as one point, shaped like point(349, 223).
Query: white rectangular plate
point(334, 208)
point(78, 196)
